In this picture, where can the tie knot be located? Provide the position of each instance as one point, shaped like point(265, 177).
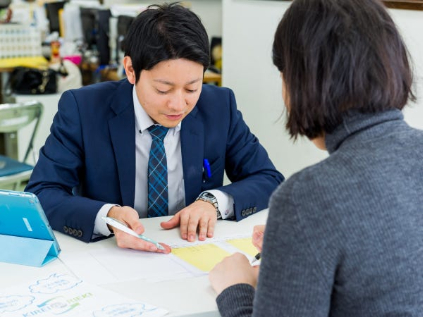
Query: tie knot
point(158, 132)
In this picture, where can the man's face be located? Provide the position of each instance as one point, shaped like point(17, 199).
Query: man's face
point(170, 90)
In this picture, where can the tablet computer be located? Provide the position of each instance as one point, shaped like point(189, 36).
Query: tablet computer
point(21, 215)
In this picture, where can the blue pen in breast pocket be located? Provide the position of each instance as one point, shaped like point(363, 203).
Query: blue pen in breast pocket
point(207, 170)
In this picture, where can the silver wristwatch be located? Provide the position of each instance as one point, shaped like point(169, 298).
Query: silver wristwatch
point(210, 198)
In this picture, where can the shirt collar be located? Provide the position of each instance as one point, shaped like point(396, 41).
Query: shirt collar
point(143, 120)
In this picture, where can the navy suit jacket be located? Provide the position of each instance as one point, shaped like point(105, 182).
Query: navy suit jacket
point(89, 158)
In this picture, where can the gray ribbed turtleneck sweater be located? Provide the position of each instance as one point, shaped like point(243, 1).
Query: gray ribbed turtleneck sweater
point(345, 237)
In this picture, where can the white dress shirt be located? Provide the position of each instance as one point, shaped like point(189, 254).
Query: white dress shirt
point(176, 189)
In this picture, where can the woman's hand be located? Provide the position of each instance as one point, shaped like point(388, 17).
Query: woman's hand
point(235, 269)
point(258, 234)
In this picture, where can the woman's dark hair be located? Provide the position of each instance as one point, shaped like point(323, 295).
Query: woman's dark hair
point(165, 32)
point(336, 56)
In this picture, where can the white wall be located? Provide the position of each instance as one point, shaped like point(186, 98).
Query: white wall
point(248, 29)
point(210, 11)
point(410, 24)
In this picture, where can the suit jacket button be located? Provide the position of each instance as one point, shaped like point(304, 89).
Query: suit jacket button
point(65, 229)
point(254, 209)
point(243, 213)
point(79, 233)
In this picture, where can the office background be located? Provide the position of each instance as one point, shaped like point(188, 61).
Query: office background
point(246, 28)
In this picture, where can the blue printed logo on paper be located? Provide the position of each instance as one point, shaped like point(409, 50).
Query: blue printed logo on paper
point(124, 310)
point(54, 284)
point(56, 305)
point(13, 303)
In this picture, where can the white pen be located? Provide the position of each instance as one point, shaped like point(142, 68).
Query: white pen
point(121, 226)
point(256, 258)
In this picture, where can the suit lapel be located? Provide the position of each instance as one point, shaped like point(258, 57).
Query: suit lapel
point(192, 149)
point(122, 133)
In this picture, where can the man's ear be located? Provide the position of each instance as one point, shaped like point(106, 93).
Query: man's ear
point(129, 70)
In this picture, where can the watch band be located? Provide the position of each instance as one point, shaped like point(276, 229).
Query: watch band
point(210, 198)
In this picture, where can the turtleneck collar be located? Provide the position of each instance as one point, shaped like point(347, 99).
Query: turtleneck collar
point(354, 122)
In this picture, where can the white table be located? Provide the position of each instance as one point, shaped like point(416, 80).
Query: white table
point(181, 296)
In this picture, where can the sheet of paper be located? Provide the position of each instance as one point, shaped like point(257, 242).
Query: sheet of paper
point(65, 295)
point(99, 266)
point(244, 245)
point(183, 243)
point(204, 257)
point(188, 259)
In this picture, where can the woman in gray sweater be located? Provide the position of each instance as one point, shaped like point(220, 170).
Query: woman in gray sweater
point(344, 237)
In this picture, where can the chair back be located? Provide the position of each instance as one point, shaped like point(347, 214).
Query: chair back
point(15, 116)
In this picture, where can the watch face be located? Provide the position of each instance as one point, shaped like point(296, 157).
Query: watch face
point(208, 195)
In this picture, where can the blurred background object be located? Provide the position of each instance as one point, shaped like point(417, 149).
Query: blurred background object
point(5, 11)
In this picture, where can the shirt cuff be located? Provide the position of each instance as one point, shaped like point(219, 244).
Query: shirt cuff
point(100, 226)
point(225, 203)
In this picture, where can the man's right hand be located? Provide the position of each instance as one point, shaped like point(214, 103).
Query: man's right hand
point(129, 216)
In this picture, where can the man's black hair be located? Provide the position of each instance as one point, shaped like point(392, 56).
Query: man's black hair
point(166, 32)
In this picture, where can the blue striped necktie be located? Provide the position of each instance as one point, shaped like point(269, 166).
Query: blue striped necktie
point(157, 173)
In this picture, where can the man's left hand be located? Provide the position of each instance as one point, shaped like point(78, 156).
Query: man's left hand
point(200, 215)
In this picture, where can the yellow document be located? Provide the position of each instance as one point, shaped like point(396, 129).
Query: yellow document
point(204, 257)
point(244, 245)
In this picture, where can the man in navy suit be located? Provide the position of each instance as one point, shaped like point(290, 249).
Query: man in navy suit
point(95, 161)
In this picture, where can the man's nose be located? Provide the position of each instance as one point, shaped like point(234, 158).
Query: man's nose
point(178, 101)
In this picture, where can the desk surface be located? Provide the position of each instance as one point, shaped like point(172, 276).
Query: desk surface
point(180, 296)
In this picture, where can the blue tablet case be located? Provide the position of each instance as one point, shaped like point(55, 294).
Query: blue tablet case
point(25, 233)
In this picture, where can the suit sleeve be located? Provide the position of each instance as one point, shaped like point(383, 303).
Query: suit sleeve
point(248, 166)
point(58, 171)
